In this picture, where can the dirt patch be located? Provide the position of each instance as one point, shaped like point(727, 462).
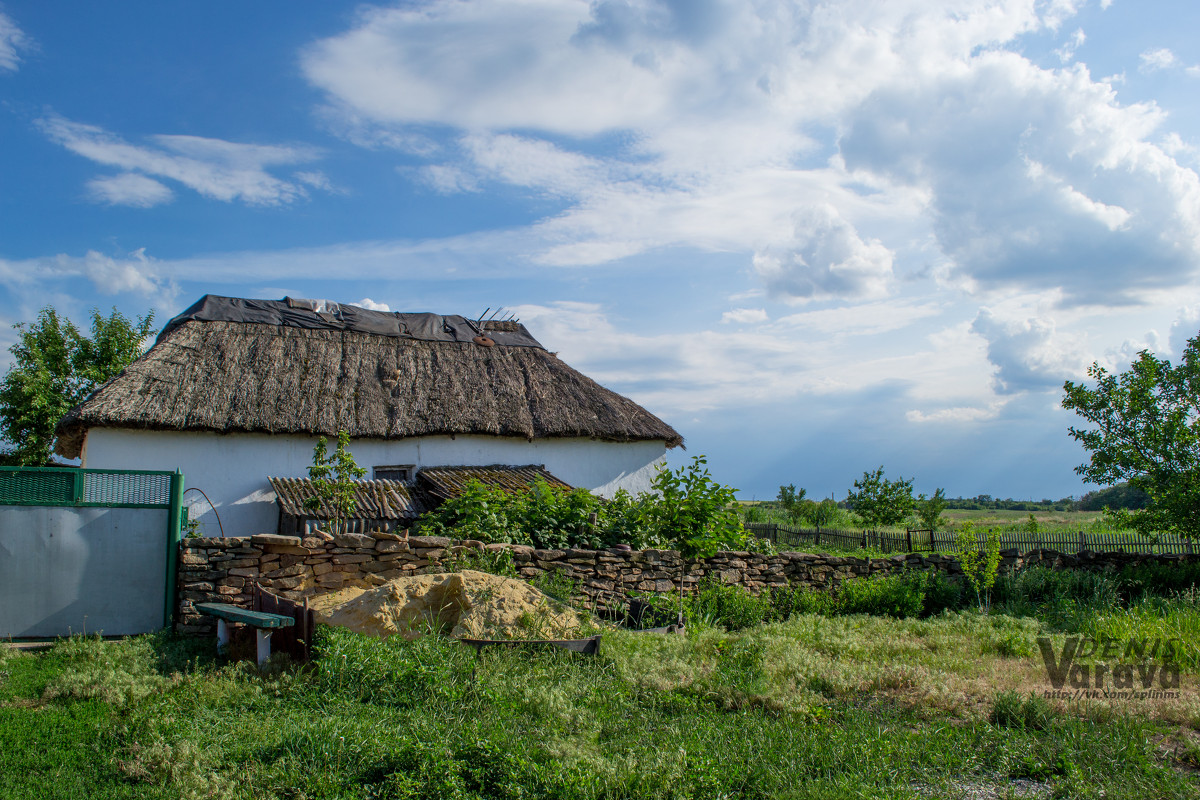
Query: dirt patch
point(465, 604)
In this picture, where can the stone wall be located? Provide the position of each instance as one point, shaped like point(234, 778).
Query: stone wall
point(225, 570)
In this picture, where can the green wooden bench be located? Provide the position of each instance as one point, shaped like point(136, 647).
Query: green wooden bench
point(262, 622)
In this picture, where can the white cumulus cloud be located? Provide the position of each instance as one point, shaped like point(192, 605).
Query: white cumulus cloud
point(371, 305)
point(716, 125)
point(1029, 354)
point(1037, 179)
point(826, 258)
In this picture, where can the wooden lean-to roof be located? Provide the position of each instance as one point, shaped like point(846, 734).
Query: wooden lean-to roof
point(442, 483)
point(382, 499)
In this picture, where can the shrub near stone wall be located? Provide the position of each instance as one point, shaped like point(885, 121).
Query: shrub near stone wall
point(225, 570)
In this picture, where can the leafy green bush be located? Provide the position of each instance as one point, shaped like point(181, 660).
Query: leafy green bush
point(941, 593)
point(733, 607)
point(553, 519)
point(889, 595)
point(1046, 588)
point(1158, 579)
point(693, 513)
point(980, 567)
point(788, 601)
point(728, 605)
point(880, 502)
point(713, 604)
point(686, 510)
point(333, 480)
point(480, 512)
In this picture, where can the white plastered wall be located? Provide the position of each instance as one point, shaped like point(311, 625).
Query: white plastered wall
point(232, 469)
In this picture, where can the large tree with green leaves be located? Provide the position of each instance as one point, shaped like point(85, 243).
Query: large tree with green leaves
point(1147, 432)
point(879, 501)
point(55, 367)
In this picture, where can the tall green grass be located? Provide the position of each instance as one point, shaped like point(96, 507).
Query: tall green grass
point(1151, 602)
point(915, 593)
point(871, 695)
point(709, 715)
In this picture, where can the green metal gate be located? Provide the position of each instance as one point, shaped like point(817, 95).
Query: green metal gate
point(87, 550)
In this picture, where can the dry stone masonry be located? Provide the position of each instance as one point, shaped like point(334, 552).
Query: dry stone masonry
point(225, 570)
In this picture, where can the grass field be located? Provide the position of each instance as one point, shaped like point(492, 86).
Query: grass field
point(1047, 521)
point(1072, 520)
point(816, 706)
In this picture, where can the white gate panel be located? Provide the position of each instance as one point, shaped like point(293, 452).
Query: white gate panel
point(67, 570)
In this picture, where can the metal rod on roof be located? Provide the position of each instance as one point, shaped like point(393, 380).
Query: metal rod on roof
point(474, 325)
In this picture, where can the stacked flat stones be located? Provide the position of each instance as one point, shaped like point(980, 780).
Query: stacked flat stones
point(225, 570)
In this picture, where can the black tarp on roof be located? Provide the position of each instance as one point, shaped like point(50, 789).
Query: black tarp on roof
point(320, 315)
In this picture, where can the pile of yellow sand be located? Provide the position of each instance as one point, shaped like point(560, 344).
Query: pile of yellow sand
point(467, 604)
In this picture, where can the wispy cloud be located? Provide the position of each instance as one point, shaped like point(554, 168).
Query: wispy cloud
point(134, 273)
point(1155, 60)
point(1163, 59)
point(1066, 53)
point(745, 316)
point(12, 42)
point(214, 168)
point(129, 189)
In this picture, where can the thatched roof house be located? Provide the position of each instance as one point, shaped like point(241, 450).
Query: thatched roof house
point(251, 383)
point(209, 371)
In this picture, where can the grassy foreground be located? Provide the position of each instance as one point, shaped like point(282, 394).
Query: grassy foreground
point(817, 706)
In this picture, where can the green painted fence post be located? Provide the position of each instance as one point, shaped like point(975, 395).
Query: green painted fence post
point(174, 521)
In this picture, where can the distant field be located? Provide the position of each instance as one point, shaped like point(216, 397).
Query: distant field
point(1059, 519)
point(1047, 521)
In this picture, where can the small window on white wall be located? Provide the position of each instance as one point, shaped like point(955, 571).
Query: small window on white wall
point(394, 472)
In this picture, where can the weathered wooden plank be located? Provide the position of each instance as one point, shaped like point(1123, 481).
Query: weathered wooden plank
point(233, 613)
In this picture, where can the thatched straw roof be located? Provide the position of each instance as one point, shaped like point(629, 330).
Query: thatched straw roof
point(443, 483)
point(237, 376)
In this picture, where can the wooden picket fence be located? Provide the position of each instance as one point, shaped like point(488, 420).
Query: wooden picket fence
point(917, 540)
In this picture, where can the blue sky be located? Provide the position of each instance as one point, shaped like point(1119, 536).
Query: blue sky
point(815, 237)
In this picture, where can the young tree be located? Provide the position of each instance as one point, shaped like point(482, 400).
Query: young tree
point(55, 367)
point(334, 478)
point(694, 513)
point(791, 500)
point(979, 566)
point(1147, 433)
point(929, 509)
point(879, 501)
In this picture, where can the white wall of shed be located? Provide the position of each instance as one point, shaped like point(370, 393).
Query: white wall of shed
point(232, 469)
